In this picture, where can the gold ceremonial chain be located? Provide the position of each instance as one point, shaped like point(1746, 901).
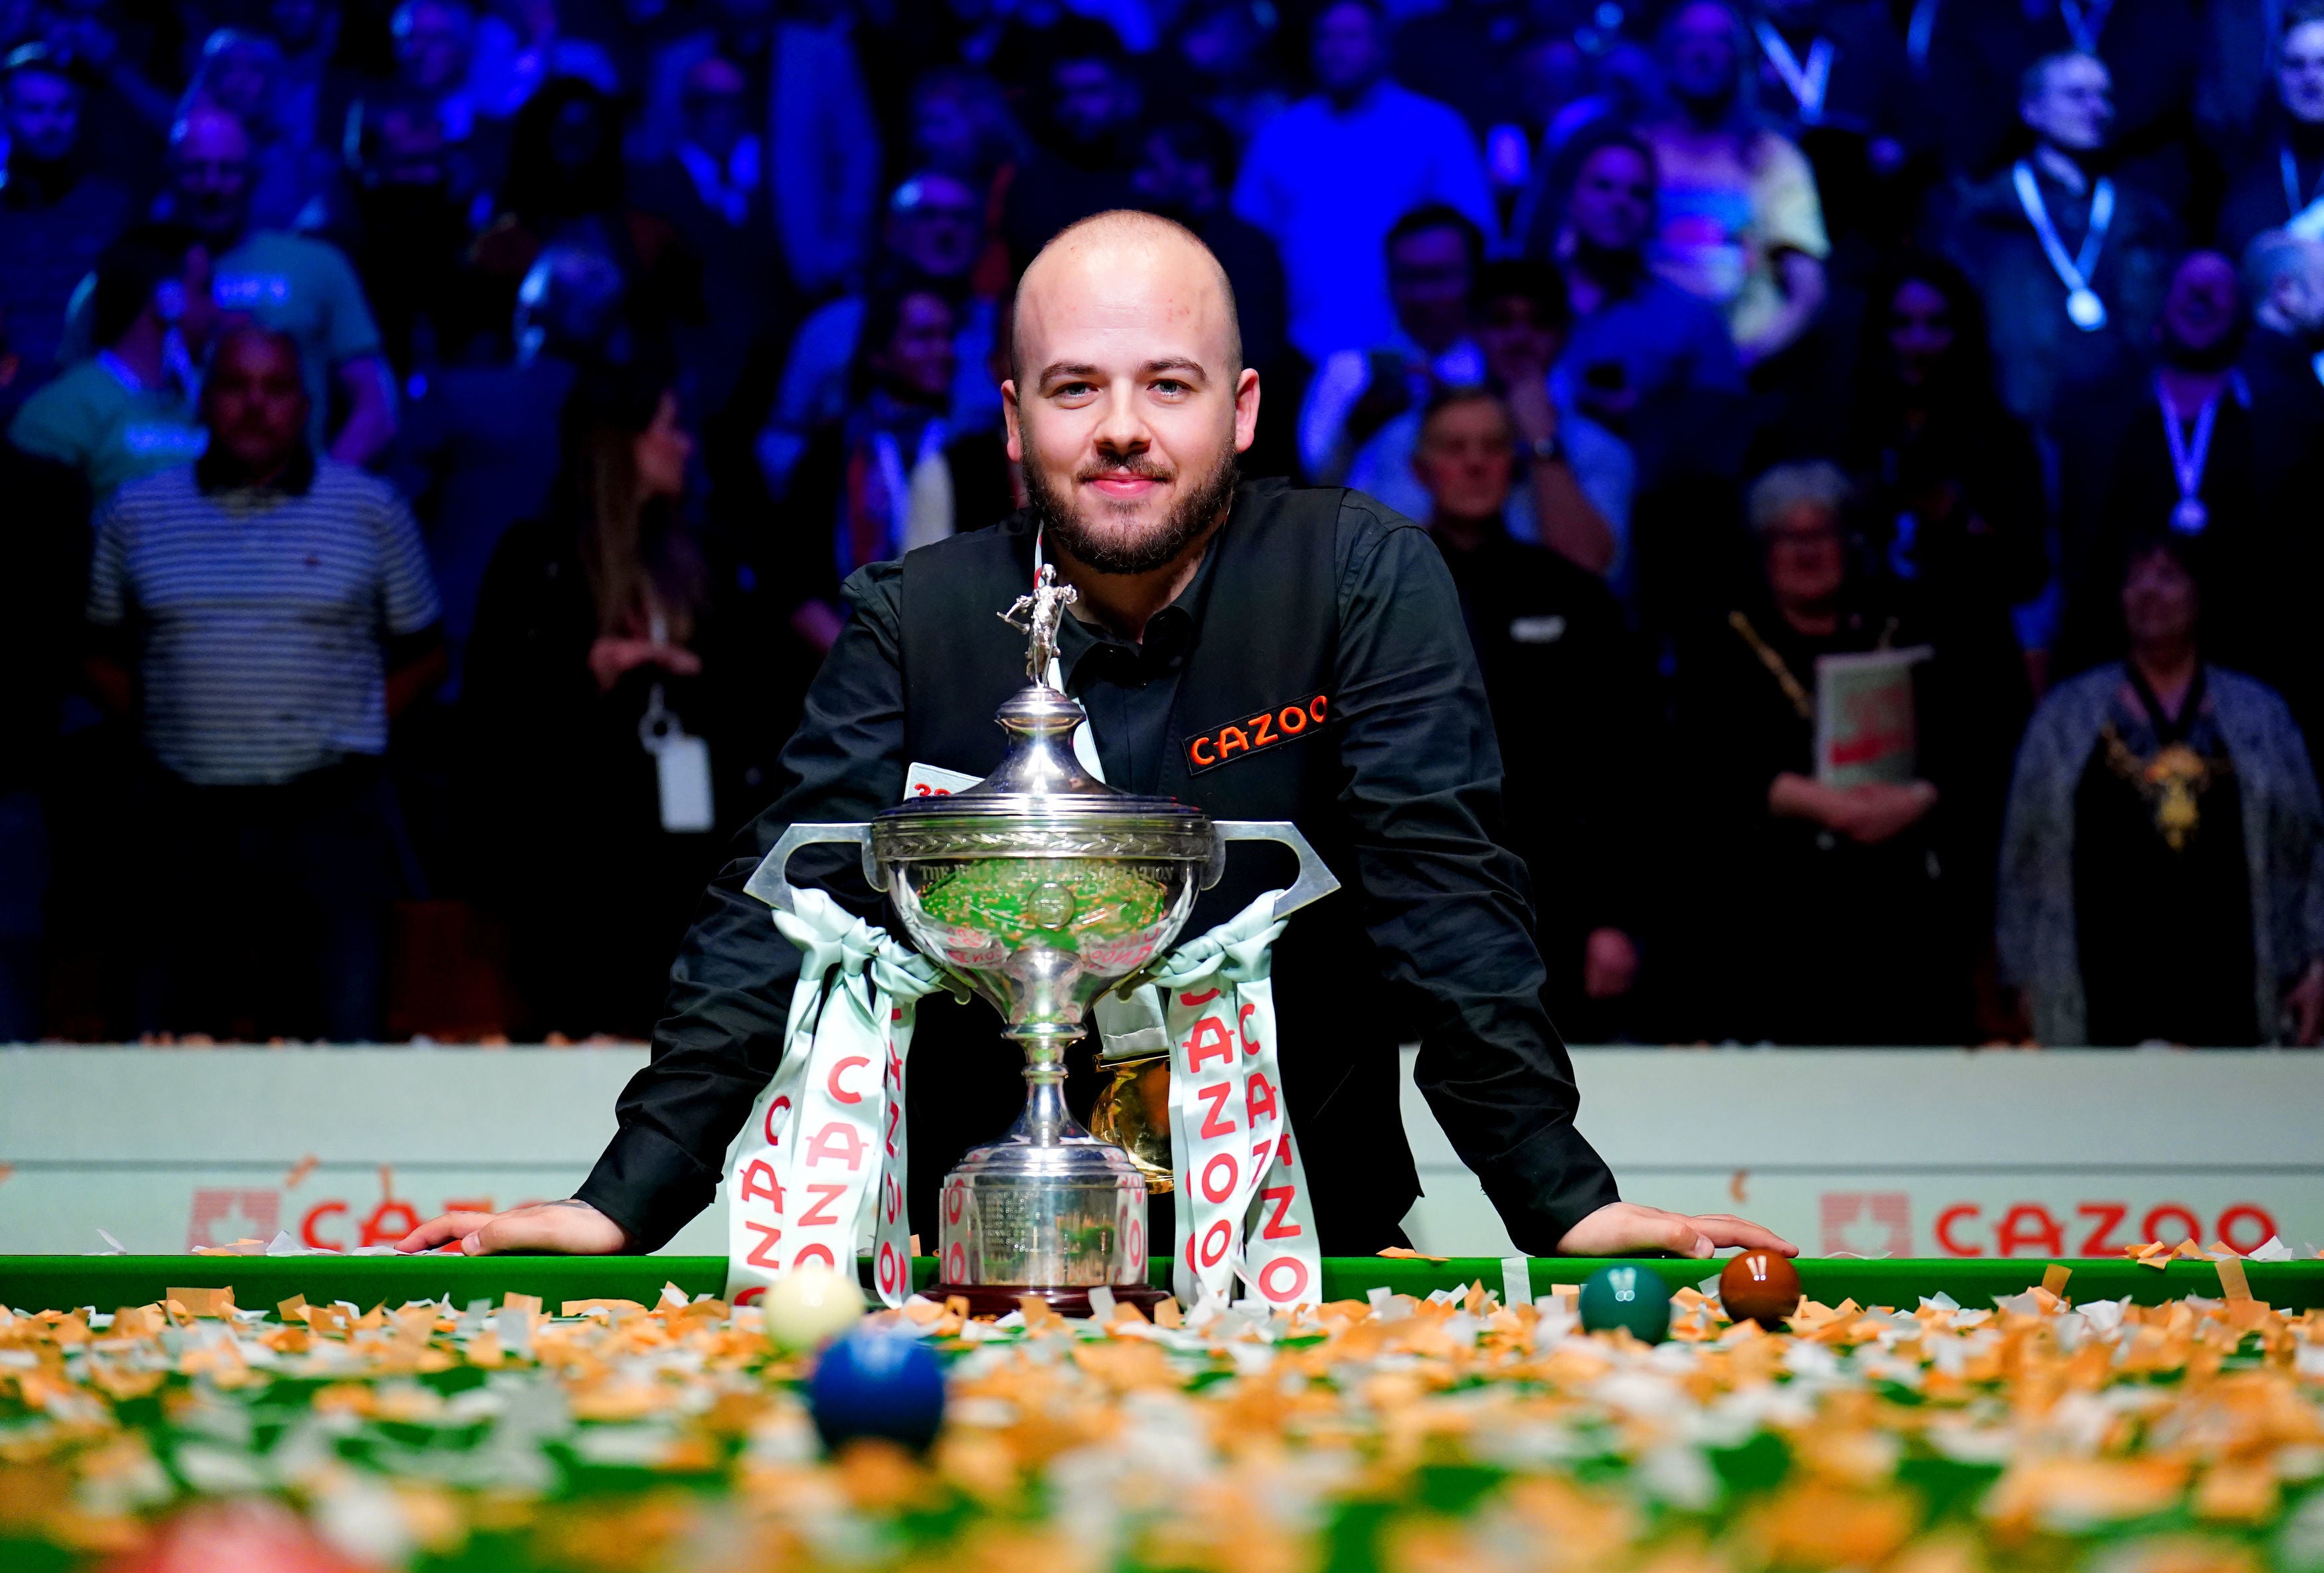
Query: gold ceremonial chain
point(1781, 669)
point(1777, 667)
point(2170, 782)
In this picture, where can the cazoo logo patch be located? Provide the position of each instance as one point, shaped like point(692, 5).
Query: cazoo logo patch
point(1223, 745)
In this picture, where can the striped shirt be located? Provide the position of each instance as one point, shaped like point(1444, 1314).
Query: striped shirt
point(263, 614)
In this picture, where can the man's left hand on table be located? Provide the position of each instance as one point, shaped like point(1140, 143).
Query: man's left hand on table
point(563, 1228)
point(1625, 1229)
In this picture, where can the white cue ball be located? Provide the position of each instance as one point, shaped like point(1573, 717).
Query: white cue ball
point(809, 1305)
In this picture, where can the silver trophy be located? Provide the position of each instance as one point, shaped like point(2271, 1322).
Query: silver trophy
point(1044, 888)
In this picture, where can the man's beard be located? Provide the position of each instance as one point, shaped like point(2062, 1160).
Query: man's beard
point(1110, 552)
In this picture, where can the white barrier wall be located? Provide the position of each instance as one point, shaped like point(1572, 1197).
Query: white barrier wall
point(1938, 1153)
point(1920, 1153)
point(169, 1148)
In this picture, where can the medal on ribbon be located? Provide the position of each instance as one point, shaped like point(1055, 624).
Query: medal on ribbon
point(1807, 84)
point(2084, 309)
point(2188, 456)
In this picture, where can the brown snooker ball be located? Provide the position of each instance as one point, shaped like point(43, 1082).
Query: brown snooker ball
point(1759, 1286)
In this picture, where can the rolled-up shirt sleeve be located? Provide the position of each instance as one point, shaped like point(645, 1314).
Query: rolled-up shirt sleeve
point(1447, 905)
point(730, 988)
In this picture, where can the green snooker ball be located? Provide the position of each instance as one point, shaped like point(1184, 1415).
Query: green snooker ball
point(1634, 1299)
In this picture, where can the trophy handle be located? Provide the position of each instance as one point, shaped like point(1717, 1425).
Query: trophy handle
point(1315, 880)
point(768, 882)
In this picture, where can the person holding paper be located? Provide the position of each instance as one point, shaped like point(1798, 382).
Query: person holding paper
point(1826, 928)
point(1205, 606)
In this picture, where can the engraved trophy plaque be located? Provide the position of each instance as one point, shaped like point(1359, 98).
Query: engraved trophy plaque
point(1043, 887)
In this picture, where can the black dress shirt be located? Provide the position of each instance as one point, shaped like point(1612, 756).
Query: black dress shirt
point(1423, 796)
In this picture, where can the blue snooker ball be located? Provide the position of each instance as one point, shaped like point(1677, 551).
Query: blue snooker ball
point(872, 1383)
point(1632, 1298)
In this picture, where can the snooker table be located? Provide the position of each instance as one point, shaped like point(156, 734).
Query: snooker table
point(63, 1283)
point(1388, 1432)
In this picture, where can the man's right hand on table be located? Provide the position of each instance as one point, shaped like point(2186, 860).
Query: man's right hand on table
point(564, 1229)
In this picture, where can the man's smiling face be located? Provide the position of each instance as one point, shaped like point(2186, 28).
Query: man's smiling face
point(1130, 401)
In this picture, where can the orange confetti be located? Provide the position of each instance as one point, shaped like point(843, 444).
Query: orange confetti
point(617, 1308)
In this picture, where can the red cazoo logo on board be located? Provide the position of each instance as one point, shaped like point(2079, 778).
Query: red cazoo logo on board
point(1880, 1222)
point(220, 1216)
point(2092, 1228)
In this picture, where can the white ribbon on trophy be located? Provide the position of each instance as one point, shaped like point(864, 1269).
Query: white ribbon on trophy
point(826, 1136)
point(1243, 1205)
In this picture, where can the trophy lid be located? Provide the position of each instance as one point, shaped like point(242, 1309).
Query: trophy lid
point(1040, 778)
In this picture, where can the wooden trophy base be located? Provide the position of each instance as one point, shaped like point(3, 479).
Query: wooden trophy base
point(1000, 1299)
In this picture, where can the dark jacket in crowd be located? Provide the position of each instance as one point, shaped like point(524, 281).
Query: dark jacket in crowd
point(1799, 936)
point(54, 219)
point(40, 596)
point(2258, 198)
point(567, 807)
point(2045, 361)
point(1574, 710)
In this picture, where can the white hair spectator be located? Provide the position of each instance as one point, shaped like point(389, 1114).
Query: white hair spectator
point(1788, 487)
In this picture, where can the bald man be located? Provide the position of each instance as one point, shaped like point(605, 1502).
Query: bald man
point(1204, 602)
point(285, 282)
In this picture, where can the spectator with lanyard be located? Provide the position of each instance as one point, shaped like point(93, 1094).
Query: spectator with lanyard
point(2072, 263)
point(611, 645)
point(2282, 185)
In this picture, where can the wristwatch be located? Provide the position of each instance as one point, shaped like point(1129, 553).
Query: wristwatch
point(1547, 450)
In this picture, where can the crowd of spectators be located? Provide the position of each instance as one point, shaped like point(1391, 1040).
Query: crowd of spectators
point(438, 431)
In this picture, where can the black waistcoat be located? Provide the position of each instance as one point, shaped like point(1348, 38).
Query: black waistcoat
point(1266, 639)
